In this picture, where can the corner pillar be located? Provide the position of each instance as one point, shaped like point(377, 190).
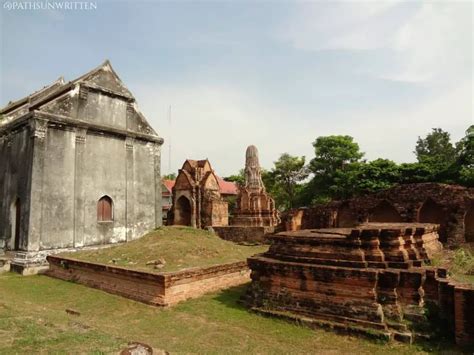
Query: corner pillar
point(79, 190)
point(38, 129)
point(158, 195)
point(129, 188)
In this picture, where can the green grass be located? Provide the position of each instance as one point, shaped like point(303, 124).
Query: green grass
point(459, 262)
point(462, 266)
point(33, 320)
point(180, 247)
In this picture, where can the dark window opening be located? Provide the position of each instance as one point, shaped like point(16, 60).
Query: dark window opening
point(17, 224)
point(182, 213)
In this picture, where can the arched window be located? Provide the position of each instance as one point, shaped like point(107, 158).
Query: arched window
point(105, 209)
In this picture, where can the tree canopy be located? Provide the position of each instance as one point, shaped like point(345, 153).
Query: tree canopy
point(338, 171)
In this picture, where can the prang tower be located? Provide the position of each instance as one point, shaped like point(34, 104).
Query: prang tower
point(255, 207)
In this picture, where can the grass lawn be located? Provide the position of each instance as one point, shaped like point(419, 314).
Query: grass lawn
point(33, 319)
point(180, 247)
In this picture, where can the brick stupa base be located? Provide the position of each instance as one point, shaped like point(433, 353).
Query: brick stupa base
point(369, 279)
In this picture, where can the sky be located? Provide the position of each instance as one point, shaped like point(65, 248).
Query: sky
point(276, 74)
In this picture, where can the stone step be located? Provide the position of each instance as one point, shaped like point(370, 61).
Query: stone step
point(404, 337)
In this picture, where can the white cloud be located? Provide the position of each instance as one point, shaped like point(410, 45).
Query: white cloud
point(430, 40)
point(336, 25)
point(437, 43)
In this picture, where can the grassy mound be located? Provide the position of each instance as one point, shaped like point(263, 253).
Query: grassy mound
point(179, 248)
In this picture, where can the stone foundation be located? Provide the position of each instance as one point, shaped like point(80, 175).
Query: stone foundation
point(4, 264)
point(241, 234)
point(368, 280)
point(34, 262)
point(163, 289)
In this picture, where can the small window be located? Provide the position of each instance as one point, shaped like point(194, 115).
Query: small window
point(104, 209)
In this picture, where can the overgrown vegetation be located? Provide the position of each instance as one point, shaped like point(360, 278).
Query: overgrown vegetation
point(179, 247)
point(338, 169)
point(33, 320)
point(462, 265)
point(459, 262)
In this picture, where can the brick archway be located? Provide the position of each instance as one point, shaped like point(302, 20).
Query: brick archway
point(346, 217)
point(182, 213)
point(385, 212)
point(431, 212)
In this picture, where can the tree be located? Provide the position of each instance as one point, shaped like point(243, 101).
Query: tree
point(239, 178)
point(436, 149)
point(416, 172)
point(332, 167)
point(171, 176)
point(334, 153)
point(465, 161)
point(379, 174)
point(288, 172)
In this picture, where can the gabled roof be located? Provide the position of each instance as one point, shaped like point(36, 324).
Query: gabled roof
point(59, 86)
point(102, 78)
point(227, 187)
point(193, 164)
point(168, 184)
point(94, 78)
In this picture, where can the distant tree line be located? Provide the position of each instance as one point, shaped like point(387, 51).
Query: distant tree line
point(339, 171)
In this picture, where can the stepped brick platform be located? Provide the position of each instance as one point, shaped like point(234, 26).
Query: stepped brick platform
point(368, 279)
point(157, 289)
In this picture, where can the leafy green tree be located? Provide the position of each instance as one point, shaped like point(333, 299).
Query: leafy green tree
point(334, 153)
point(333, 166)
point(379, 174)
point(171, 176)
point(415, 173)
point(436, 149)
point(239, 178)
point(288, 172)
point(465, 161)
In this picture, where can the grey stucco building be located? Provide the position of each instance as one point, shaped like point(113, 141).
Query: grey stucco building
point(79, 167)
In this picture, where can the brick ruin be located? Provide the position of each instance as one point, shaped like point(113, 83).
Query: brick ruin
point(255, 216)
point(157, 289)
point(197, 200)
point(450, 206)
point(255, 207)
point(368, 280)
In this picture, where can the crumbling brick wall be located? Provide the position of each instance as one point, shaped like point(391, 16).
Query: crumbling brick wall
point(450, 206)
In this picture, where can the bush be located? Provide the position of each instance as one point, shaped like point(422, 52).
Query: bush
point(463, 262)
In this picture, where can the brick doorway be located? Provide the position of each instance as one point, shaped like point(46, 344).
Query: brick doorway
point(183, 212)
point(431, 212)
